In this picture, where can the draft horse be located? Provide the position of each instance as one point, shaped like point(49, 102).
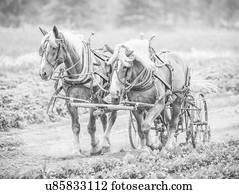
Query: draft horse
point(71, 50)
point(148, 81)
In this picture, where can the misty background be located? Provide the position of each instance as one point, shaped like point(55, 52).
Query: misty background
point(101, 14)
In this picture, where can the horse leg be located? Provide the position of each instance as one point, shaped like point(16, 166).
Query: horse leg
point(75, 128)
point(92, 130)
point(139, 119)
point(173, 124)
point(106, 140)
point(103, 119)
point(146, 126)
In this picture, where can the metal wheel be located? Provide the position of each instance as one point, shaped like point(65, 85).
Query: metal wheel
point(133, 132)
point(204, 128)
point(199, 130)
point(194, 134)
point(188, 119)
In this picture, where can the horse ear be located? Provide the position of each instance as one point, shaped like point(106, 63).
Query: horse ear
point(108, 48)
point(44, 32)
point(55, 31)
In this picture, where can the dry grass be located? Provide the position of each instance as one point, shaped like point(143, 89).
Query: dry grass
point(214, 161)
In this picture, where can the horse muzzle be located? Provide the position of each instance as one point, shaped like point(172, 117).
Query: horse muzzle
point(45, 76)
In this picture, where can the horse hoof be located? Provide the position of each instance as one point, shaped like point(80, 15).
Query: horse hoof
point(79, 153)
point(159, 147)
point(145, 150)
point(171, 144)
point(156, 147)
point(96, 150)
point(84, 153)
point(105, 149)
point(96, 153)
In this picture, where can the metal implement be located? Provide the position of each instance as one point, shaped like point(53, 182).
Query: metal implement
point(193, 121)
point(107, 106)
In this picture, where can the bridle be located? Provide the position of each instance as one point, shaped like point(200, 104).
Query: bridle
point(58, 60)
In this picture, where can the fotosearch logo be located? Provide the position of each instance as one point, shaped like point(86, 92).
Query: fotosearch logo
point(149, 186)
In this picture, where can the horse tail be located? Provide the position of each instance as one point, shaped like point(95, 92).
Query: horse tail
point(200, 84)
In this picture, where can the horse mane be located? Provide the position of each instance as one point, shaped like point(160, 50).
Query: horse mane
point(74, 40)
point(141, 51)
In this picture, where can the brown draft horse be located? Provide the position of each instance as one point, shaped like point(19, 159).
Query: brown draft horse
point(145, 82)
point(68, 48)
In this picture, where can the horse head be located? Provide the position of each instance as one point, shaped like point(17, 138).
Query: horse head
point(51, 52)
point(129, 59)
point(122, 62)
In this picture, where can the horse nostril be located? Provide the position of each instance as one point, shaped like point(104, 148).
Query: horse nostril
point(44, 74)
